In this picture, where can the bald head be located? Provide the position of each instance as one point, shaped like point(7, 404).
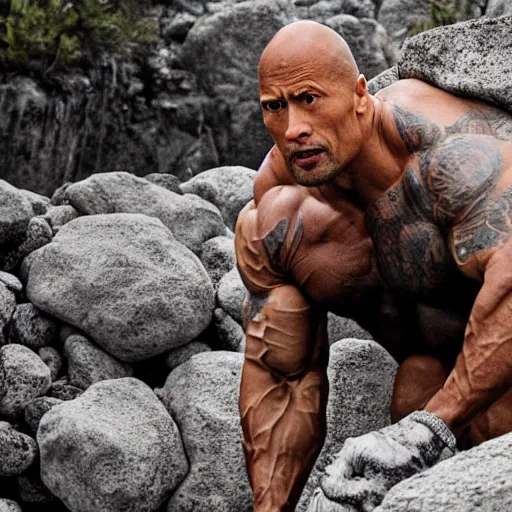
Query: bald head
point(304, 42)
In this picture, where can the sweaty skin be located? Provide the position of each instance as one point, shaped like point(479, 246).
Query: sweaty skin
point(394, 210)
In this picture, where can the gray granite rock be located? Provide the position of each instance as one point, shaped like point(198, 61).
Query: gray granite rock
point(7, 308)
point(470, 59)
point(339, 328)
point(497, 8)
point(182, 354)
point(88, 364)
point(17, 451)
point(63, 390)
point(191, 219)
point(383, 79)
point(229, 188)
point(31, 328)
point(368, 41)
point(202, 396)
point(113, 448)
point(51, 358)
point(230, 42)
point(231, 294)
point(57, 216)
point(15, 213)
point(9, 506)
point(35, 410)
point(218, 257)
point(125, 281)
point(325, 9)
point(23, 377)
point(231, 334)
point(11, 282)
point(477, 479)
point(361, 377)
point(168, 181)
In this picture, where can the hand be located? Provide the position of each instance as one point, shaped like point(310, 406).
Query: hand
point(368, 466)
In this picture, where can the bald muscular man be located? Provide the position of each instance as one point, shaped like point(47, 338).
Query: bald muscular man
point(379, 208)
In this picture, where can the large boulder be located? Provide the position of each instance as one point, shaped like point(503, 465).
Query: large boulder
point(202, 396)
point(361, 377)
point(230, 42)
point(23, 377)
point(477, 479)
point(468, 59)
point(229, 188)
point(191, 219)
point(125, 281)
point(113, 448)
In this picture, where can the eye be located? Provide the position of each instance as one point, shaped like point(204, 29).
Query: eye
point(273, 106)
point(309, 98)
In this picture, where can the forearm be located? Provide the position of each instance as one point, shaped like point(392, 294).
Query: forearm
point(483, 369)
point(283, 424)
point(283, 395)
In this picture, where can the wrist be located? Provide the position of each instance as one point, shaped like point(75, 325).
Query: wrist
point(437, 426)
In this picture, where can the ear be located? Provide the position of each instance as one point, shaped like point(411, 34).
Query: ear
point(361, 95)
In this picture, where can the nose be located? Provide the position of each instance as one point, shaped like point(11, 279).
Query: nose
point(299, 129)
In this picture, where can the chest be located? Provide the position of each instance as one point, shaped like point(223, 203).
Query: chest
point(410, 249)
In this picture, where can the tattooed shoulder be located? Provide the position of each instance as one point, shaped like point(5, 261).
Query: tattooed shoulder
point(460, 173)
point(483, 120)
point(416, 131)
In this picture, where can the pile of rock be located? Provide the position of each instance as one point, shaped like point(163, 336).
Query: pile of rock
point(120, 348)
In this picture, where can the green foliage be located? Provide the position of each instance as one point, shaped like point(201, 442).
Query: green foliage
point(444, 12)
point(57, 33)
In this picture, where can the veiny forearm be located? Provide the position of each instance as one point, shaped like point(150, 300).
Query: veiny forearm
point(283, 395)
point(483, 370)
point(283, 424)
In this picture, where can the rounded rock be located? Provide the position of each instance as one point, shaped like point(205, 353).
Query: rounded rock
point(124, 281)
point(231, 294)
point(51, 358)
point(88, 364)
point(113, 448)
point(24, 377)
point(9, 506)
point(36, 409)
point(31, 328)
point(17, 451)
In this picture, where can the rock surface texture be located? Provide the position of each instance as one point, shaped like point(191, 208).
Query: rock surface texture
point(114, 448)
point(125, 281)
point(478, 479)
point(452, 58)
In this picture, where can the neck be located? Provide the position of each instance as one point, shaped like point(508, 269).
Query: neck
point(382, 159)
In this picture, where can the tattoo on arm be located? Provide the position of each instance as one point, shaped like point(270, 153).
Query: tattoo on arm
point(460, 173)
point(483, 120)
point(416, 131)
point(486, 225)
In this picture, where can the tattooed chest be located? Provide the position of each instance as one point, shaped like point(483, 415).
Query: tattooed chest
point(411, 251)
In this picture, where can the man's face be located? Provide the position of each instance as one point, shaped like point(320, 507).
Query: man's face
point(311, 116)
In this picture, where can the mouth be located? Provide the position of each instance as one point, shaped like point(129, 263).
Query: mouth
point(308, 157)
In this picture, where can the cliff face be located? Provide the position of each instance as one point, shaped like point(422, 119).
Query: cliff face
point(186, 103)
